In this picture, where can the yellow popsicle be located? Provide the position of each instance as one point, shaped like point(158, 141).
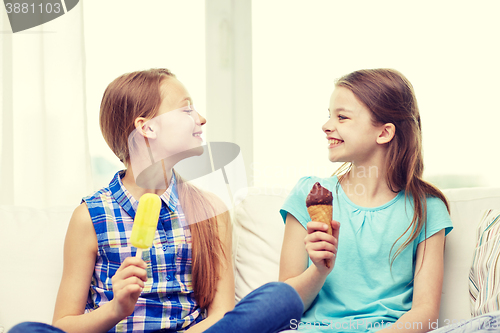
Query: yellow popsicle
point(145, 222)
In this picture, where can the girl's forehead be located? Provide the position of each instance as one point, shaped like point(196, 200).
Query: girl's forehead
point(174, 92)
point(344, 98)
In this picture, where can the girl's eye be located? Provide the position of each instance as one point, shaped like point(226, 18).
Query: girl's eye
point(341, 117)
point(188, 111)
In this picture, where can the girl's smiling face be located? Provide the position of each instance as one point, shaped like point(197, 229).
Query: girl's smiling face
point(177, 126)
point(175, 132)
point(351, 134)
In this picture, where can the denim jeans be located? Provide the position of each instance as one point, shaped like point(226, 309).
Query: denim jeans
point(267, 309)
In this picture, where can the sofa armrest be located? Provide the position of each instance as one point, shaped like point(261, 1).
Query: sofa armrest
point(31, 260)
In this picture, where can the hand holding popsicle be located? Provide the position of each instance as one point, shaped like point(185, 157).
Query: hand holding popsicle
point(145, 222)
point(129, 279)
point(128, 283)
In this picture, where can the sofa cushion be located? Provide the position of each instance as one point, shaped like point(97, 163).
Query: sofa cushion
point(466, 207)
point(257, 238)
point(484, 279)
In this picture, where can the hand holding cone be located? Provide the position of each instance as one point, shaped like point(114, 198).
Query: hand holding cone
point(320, 209)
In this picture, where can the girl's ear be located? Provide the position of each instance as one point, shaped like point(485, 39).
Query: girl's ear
point(387, 133)
point(144, 128)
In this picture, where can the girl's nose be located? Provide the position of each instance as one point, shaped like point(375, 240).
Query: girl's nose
point(198, 118)
point(327, 127)
point(203, 121)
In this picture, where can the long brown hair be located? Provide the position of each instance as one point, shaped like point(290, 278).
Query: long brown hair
point(391, 99)
point(208, 251)
point(138, 94)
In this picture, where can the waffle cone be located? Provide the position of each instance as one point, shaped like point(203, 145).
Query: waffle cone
point(321, 213)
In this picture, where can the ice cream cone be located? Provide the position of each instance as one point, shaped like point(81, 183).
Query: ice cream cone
point(319, 206)
point(321, 213)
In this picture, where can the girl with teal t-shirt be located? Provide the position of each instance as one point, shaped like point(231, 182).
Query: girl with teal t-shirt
point(389, 225)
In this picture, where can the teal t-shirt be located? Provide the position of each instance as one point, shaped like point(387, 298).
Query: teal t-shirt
point(363, 293)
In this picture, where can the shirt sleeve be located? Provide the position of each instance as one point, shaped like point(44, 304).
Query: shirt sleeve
point(437, 219)
point(295, 203)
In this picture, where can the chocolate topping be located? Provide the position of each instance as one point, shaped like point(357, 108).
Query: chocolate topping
point(319, 196)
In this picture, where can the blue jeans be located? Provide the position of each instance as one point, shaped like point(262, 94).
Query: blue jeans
point(267, 309)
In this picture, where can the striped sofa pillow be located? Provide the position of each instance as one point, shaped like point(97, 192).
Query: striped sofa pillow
point(484, 277)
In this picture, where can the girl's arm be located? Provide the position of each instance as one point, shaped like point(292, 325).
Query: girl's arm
point(426, 288)
point(319, 246)
point(224, 297)
point(80, 250)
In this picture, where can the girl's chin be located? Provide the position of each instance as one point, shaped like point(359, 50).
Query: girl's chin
point(197, 151)
point(333, 158)
point(337, 159)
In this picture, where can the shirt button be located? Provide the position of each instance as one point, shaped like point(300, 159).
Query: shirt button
point(164, 248)
point(168, 277)
point(171, 318)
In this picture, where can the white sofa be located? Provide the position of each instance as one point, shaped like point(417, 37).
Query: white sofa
point(31, 247)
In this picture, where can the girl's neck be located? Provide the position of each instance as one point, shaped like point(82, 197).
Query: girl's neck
point(157, 174)
point(366, 185)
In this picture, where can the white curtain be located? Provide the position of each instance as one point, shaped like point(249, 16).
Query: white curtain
point(45, 160)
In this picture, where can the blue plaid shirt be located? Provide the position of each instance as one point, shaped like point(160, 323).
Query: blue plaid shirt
point(167, 300)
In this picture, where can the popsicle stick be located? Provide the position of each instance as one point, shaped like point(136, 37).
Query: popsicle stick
point(138, 254)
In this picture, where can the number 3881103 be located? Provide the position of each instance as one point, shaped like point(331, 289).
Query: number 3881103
point(25, 8)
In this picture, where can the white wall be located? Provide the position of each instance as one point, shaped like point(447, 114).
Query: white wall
point(447, 49)
point(127, 35)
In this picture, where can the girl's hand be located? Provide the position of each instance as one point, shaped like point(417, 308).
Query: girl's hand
point(321, 246)
point(128, 283)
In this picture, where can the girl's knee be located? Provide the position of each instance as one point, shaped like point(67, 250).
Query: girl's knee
point(285, 294)
point(280, 288)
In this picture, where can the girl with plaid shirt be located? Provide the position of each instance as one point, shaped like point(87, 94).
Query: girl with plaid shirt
point(184, 282)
